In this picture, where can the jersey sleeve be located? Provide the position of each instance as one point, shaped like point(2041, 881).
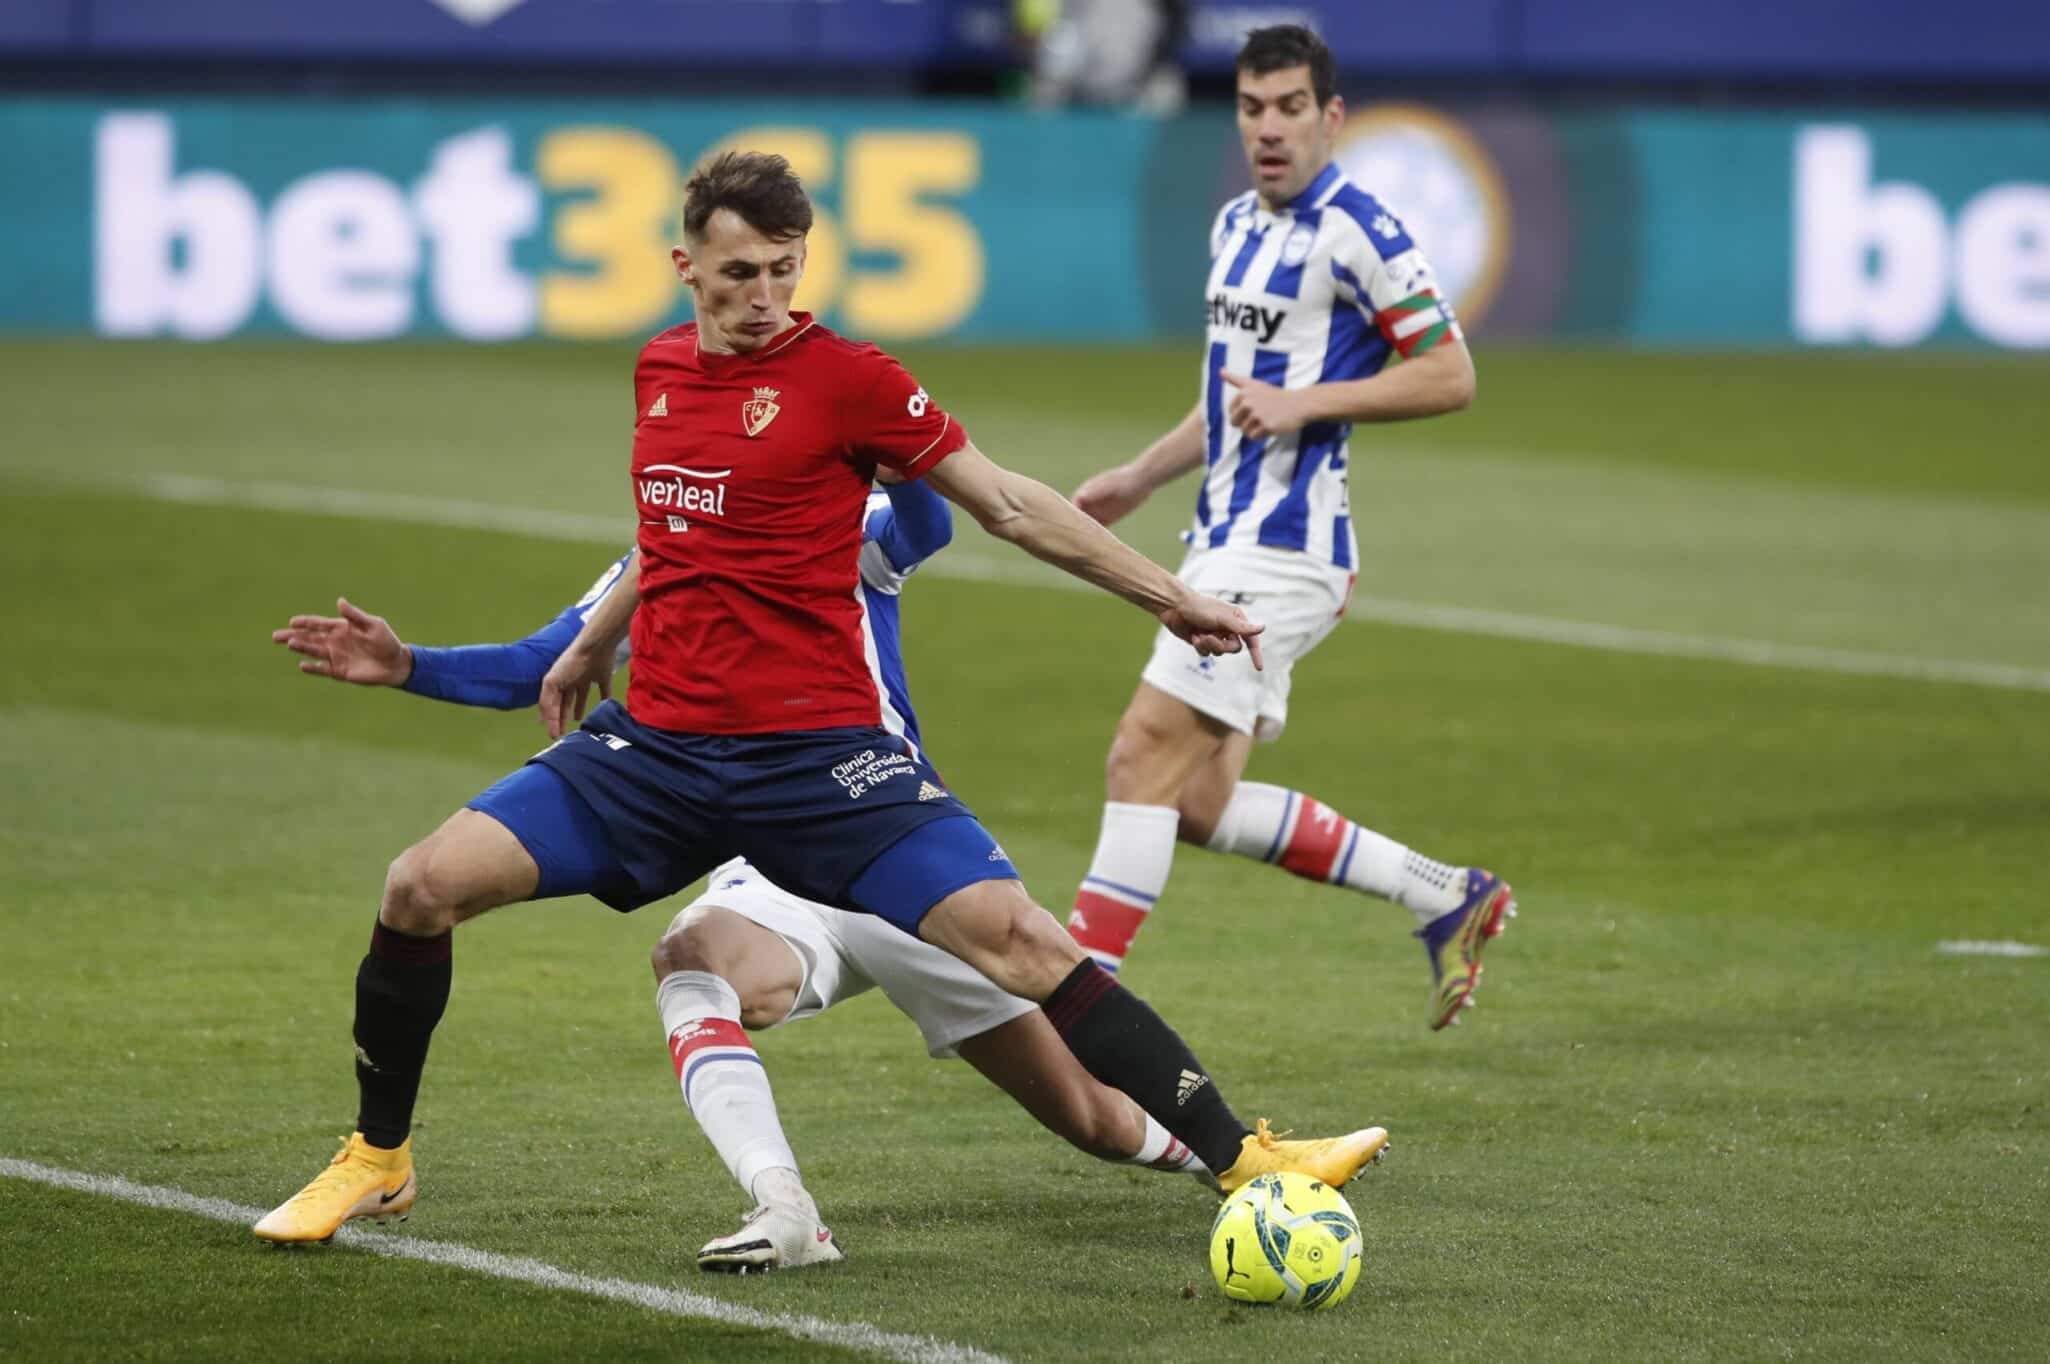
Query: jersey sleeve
point(598, 589)
point(905, 526)
point(1384, 273)
point(894, 423)
point(506, 676)
point(1220, 226)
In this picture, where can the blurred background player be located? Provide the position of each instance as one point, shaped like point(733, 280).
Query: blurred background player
point(754, 723)
point(746, 952)
point(1313, 286)
point(1110, 53)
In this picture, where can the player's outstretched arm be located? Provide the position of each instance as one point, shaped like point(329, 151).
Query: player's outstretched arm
point(1046, 525)
point(1116, 493)
point(498, 676)
point(591, 657)
point(364, 649)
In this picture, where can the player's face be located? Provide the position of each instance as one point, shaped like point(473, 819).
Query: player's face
point(1286, 133)
point(742, 281)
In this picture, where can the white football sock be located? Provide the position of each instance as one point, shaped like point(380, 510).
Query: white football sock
point(1307, 837)
point(780, 1187)
point(723, 1081)
point(1161, 1149)
point(1134, 854)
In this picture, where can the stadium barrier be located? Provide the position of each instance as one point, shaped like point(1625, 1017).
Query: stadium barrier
point(1963, 41)
point(491, 220)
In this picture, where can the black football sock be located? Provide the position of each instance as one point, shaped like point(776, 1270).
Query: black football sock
point(401, 990)
point(1120, 1040)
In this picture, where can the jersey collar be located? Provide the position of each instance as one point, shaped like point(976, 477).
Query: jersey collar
point(1312, 192)
point(800, 323)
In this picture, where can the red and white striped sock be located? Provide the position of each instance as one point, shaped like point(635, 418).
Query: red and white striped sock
point(1134, 854)
point(1303, 835)
point(1161, 1149)
point(723, 1082)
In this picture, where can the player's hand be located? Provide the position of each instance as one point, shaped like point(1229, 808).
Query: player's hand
point(1260, 409)
point(1214, 627)
point(352, 647)
point(1112, 495)
point(567, 688)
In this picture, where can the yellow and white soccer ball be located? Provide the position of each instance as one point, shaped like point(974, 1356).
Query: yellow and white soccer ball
point(1286, 1238)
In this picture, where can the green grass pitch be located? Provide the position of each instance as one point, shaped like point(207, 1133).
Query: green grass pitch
point(1722, 1098)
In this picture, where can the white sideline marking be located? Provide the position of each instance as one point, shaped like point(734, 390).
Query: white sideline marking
point(674, 1302)
point(1966, 947)
point(554, 525)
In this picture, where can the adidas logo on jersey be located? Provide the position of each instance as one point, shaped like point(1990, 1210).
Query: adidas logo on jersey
point(927, 791)
point(1387, 227)
point(1191, 1082)
point(660, 407)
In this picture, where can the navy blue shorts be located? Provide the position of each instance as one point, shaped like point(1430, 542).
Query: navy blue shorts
point(848, 817)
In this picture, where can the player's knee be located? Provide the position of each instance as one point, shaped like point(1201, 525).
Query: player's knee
point(694, 943)
point(1042, 949)
point(687, 946)
point(421, 898)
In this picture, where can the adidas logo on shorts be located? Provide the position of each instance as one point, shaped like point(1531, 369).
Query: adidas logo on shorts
point(1191, 1082)
point(927, 791)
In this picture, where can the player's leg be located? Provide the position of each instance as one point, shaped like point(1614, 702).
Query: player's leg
point(1457, 909)
point(1161, 743)
point(960, 1012)
point(1185, 709)
point(812, 816)
point(717, 973)
point(527, 837)
point(471, 864)
point(1026, 1059)
point(1307, 838)
point(994, 926)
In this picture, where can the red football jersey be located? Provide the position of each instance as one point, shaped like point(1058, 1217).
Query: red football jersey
point(751, 473)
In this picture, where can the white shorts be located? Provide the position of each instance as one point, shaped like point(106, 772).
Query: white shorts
point(844, 954)
point(1297, 598)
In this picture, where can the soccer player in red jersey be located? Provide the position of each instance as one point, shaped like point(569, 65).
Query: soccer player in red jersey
point(753, 725)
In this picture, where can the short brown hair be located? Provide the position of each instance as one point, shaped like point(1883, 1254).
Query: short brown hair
point(1285, 46)
point(759, 186)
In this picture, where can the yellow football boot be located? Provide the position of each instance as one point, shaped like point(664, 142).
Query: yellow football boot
point(1333, 1159)
point(361, 1181)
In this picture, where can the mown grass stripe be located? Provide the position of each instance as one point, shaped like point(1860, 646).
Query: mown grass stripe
point(572, 526)
point(674, 1302)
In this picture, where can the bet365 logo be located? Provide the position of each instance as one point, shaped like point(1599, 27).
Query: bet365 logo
point(443, 234)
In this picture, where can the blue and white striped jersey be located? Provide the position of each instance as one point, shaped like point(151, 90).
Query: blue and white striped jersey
point(1321, 291)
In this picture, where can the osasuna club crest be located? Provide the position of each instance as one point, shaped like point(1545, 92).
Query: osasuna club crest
point(757, 412)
